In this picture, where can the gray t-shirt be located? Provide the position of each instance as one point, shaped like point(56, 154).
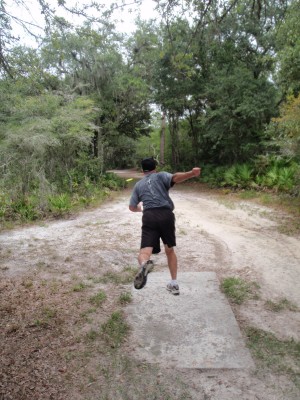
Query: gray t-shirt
point(153, 191)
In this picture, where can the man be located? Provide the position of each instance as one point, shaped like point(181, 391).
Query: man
point(151, 196)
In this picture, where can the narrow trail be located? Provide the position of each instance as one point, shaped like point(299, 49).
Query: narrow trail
point(235, 239)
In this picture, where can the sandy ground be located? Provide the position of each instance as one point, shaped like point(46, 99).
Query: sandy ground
point(56, 266)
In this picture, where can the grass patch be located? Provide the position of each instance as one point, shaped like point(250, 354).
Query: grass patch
point(54, 287)
point(27, 284)
point(47, 315)
point(248, 194)
point(95, 279)
point(79, 287)
point(280, 305)
point(98, 299)
point(120, 278)
point(127, 379)
point(89, 311)
point(280, 356)
point(125, 298)
point(115, 330)
point(91, 335)
point(238, 290)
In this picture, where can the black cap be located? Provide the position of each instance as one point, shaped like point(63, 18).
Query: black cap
point(148, 164)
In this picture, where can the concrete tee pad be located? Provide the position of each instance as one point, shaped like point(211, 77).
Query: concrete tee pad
point(196, 329)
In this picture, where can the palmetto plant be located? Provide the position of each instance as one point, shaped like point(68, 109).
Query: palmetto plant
point(244, 173)
point(279, 177)
point(286, 178)
point(60, 204)
point(239, 175)
point(230, 177)
point(25, 209)
point(271, 177)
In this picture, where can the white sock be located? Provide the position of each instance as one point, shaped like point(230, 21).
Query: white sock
point(174, 282)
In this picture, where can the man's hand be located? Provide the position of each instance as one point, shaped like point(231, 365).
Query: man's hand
point(196, 171)
point(183, 176)
point(138, 208)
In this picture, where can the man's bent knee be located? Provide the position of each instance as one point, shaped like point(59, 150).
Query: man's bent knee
point(169, 250)
point(146, 251)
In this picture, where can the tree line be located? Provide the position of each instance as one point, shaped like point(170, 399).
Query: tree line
point(212, 83)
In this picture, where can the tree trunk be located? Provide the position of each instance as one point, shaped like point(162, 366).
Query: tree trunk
point(173, 126)
point(95, 144)
point(162, 139)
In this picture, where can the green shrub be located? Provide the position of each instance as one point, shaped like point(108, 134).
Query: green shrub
point(271, 177)
point(279, 177)
point(4, 205)
point(230, 177)
point(26, 211)
point(273, 174)
point(244, 173)
point(60, 204)
point(286, 178)
point(111, 181)
point(24, 208)
point(213, 175)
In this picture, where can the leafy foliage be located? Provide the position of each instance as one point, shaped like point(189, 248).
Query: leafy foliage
point(286, 128)
point(288, 46)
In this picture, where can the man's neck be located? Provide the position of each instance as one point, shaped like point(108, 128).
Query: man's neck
point(150, 172)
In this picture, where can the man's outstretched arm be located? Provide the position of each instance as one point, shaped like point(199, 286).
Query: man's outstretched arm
point(183, 176)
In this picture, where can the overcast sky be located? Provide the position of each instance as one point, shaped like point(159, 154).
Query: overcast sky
point(31, 13)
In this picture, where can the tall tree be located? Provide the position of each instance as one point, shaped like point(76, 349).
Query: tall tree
point(218, 75)
point(90, 63)
point(50, 14)
point(288, 50)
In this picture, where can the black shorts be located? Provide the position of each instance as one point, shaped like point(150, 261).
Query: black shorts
point(158, 223)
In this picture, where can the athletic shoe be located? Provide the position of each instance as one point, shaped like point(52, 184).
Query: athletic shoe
point(174, 289)
point(141, 278)
point(150, 265)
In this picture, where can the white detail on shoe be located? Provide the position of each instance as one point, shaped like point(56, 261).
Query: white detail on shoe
point(174, 289)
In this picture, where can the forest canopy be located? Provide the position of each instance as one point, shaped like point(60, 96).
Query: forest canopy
point(212, 83)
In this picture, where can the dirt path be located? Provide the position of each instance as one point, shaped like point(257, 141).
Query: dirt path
point(59, 265)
